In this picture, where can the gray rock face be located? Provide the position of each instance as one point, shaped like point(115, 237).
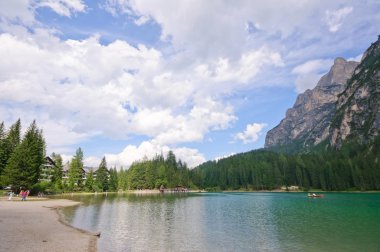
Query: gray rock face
point(308, 122)
point(358, 107)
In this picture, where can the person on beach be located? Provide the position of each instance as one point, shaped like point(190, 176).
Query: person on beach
point(23, 195)
point(10, 195)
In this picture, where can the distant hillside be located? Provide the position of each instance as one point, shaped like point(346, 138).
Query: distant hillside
point(345, 104)
point(353, 167)
point(329, 140)
point(307, 123)
point(358, 107)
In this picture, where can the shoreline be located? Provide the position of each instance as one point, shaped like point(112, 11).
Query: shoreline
point(38, 225)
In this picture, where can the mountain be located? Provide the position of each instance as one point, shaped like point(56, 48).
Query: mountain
point(358, 106)
point(329, 140)
point(344, 105)
point(307, 123)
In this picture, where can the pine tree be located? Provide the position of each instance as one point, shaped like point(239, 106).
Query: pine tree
point(113, 181)
point(102, 175)
point(90, 181)
point(122, 179)
point(14, 136)
point(3, 158)
point(76, 170)
point(8, 143)
point(24, 164)
point(58, 170)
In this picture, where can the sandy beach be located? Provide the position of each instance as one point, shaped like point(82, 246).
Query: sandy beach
point(35, 225)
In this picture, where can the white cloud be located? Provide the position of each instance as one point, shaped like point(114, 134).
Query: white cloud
point(251, 133)
point(149, 149)
point(63, 7)
point(23, 11)
point(78, 89)
point(309, 73)
point(249, 64)
point(224, 156)
point(20, 11)
point(357, 58)
point(334, 19)
point(142, 20)
point(94, 162)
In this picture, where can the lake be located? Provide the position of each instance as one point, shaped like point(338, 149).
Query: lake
point(231, 221)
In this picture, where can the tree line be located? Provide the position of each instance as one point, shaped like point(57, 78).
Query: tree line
point(353, 167)
point(21, 157)
point(144, 174)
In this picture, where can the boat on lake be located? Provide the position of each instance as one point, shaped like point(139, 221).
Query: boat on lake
point(313, 195)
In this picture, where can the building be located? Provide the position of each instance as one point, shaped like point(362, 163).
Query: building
point(47, 169)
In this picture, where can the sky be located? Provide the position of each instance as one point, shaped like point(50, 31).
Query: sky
point(130, 79)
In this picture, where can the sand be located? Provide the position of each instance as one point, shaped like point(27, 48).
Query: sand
point(35, 225)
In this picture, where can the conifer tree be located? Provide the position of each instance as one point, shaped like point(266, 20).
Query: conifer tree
point(122, 179)
point(3, 158)
point(8, 143)
point(58, 170)
point(24, 164)
point(76, 170)
point(102, 175)
point(113, 180)
point(90, 181)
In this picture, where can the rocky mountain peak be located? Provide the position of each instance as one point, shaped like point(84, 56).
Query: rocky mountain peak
point(358, 107)
point(344, 105)
point(339, 73)
point(307, 122)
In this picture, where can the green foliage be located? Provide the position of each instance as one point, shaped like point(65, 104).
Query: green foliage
point(90, 182)
point(122, 180)
point(113, 180)
point(102, 176)
point(76, 171)
point(8, 143)
point(354, 166)
point(23, 166)
point(43, 186)
point(151, 174)
point(58, 170)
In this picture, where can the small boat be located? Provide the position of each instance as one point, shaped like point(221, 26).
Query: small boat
point(313, 195)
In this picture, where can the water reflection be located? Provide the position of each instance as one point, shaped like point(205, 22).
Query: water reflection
point(230, 222)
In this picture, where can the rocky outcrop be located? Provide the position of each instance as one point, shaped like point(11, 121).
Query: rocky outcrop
point(358, 106)
point(308, 122)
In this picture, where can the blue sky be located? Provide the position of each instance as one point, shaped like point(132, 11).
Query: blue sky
point(128, 79)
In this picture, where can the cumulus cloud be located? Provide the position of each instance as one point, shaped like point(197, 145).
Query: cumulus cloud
point(63, 7)
point(251, 133)
point(87, 89)
point(150, 149)
point(309, 73)
point(249, 64)
point(174, 94)
point(334, 19)
point(23, 11)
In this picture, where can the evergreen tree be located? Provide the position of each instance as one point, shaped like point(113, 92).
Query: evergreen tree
point(90, 183)
point(3, 151)
point(102, 175)
point(14, 136)
point(122, 179)
point(24, 164)
point(58, 170)
point(8, 143)
point(113, 180)
point(76, 171)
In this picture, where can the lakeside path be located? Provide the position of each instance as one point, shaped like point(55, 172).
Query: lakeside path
point(35, 225)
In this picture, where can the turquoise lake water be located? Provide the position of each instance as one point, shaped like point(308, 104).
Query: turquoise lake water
point(231, 221)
